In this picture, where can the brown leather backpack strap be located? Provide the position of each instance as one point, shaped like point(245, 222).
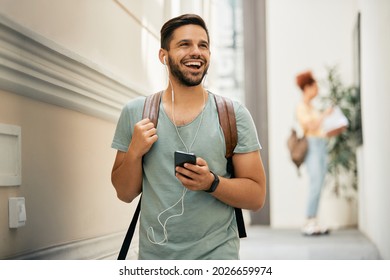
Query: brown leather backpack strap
point(227, 120)
point(152, 107)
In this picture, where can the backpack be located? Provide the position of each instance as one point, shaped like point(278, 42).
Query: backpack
point(298, 147)
point(227, 121)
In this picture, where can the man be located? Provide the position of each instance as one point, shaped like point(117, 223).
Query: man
point(181, 217)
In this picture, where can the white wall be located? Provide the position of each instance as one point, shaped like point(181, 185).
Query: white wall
point(302, 34)
point(120, 37)
point(375, 191)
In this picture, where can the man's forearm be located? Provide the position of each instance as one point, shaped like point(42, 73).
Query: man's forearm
point(126, 176)
point(241, 193)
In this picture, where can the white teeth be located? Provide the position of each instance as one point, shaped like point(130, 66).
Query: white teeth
point(193, 64)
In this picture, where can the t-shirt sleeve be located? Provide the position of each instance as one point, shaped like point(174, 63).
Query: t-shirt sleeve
point(130, 115)
point(248, 140)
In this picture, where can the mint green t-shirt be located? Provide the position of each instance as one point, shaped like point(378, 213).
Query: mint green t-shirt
point(198, 226)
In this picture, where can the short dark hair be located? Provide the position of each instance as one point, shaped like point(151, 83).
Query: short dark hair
point(171, 25)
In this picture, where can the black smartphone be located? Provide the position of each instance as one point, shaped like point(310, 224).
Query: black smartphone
point(183, 157)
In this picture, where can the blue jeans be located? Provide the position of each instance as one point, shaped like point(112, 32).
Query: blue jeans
point(316, 164)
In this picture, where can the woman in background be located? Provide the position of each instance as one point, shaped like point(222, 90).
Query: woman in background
point(310, 120)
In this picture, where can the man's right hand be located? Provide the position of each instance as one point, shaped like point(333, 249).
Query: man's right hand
point(126, 175)
point(144, 136)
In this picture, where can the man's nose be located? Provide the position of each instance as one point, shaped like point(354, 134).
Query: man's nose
point(195, 51)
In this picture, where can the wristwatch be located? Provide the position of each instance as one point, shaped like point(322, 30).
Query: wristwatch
point(214, 185)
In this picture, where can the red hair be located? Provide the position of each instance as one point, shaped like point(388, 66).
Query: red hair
point(304, 79)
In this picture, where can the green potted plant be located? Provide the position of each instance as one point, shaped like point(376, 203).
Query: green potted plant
point(342, 148)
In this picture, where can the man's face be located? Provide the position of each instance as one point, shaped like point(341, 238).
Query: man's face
point(189, 55)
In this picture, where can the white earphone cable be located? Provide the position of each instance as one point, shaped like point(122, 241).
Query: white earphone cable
point(163, 225)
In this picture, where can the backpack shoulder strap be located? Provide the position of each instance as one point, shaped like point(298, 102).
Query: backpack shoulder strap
point(227, 120)
point(129, 234)
point(152, 107)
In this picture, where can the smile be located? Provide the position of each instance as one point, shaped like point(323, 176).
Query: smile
point(193, 64)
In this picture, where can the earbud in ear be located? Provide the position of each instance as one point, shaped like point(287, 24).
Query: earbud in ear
point(165, 62)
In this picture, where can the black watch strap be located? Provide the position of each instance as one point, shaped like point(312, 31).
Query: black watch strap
point(215, 183)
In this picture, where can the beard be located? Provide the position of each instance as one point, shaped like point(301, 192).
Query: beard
point(186, 78)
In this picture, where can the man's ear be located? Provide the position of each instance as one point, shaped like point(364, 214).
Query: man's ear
point(163, 56)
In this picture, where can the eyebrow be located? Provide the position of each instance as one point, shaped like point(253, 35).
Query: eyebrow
point(190, 41)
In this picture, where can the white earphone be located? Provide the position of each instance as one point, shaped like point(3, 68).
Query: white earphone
point(165, 62)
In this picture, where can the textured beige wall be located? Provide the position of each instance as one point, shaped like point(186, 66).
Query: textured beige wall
point(120, 36)
point(66, 165)
point(66, 155)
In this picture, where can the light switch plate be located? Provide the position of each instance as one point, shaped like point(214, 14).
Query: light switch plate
point(17, 212)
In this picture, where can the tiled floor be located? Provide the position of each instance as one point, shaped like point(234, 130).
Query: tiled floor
point(264, 243)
